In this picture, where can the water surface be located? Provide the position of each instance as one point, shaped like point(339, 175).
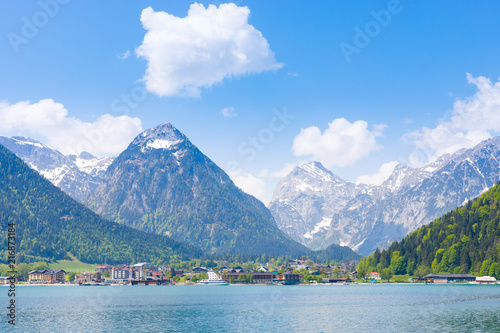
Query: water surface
point(344, 308)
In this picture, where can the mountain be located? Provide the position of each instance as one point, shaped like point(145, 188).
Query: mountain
point(305, 201)
point(76, 175)
point(466, 240)
point(49, 224)
point(162, 183)
point(318, 209)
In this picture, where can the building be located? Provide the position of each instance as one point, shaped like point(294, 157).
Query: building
point(150, 282)
point(287, 278)
point(450, 278)
point(258, 277)
point(88, 277)
point(200, 270)
point(230, 275)
point(47, 276)
point(141, 265)
point(263, 277)
point(212, 275)
point(126, 273)
point(373, 276)
point(102, 269)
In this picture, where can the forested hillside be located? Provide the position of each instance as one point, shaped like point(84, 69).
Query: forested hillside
point(337, 252)
point(466, 240)
point(49, 224)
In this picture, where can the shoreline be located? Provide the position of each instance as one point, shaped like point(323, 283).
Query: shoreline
point(261, 284)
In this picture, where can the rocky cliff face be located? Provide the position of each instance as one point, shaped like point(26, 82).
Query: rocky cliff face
point(75, 175)
point(164, 184)
point(321, 210)
point(306, 200)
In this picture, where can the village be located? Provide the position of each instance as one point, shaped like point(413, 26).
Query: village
point(221, 272)
point(291, 272)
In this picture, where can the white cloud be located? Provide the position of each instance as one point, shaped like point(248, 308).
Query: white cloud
point(383, 173)
point(249, 183)
point(48, 122)
point(263, 173)
point(228, 112)
point(285, 171)
point(341, 144)
point(201, 49)
point(124, 55)
point(471, 120)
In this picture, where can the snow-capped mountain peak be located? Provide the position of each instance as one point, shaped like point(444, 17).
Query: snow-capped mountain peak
point(164, 136)
point(76, 175)
point(366, 217)
point(164, 131)
point(317, 170)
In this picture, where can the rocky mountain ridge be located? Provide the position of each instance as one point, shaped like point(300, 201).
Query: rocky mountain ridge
point(319, 211)
point(76, 175)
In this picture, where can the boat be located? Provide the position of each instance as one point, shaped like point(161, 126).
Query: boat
point(218, 282)
point(213, 280)
point(486, 280)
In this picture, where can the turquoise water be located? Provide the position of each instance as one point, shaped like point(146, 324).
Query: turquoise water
point(345, 308)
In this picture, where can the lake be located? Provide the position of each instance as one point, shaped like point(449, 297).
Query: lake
point(234, 308)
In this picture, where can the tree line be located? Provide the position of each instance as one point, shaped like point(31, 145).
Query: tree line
point(465, 240)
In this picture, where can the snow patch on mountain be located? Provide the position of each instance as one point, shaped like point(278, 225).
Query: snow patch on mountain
point(21, 140)
point(162, 144)
point(323, 225)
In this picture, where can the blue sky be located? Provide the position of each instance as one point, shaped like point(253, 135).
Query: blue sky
point(403, 93)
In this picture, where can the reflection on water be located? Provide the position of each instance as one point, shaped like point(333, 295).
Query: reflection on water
point(376, 308)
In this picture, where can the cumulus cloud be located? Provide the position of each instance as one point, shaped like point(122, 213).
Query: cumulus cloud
point(380, 176)
point(341, 144)
point(49, 122)
point(471, 120)
point(201, 49)
point(249, 183)
point(228, 112)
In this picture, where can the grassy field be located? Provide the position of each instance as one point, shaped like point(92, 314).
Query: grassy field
point(73, 266)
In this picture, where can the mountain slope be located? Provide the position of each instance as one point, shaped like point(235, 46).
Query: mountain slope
point(49, 224)
point(163, 184)
point(466, 240)
point(371, 217)
point(75, 175)
point(305, 201)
